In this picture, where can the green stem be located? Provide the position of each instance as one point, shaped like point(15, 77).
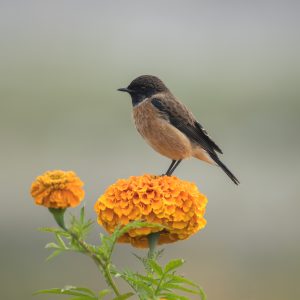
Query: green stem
point(152, 242)
point(159, 283)
point(100, 264)
point(111, 281)
point(58, 215)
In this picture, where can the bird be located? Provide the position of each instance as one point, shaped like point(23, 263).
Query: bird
point(169, 127)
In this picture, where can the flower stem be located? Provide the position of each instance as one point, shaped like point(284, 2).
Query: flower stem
point(100, 264)
point(152, 242)
point(58, 215)
point(111, 281)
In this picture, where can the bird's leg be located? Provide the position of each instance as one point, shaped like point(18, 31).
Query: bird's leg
point(170, 168)
point(174, 167)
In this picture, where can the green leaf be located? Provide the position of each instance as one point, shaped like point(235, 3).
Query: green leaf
point(53, 254)
point(80, 227)
point(80, 289)
point(171, 286)
point(140, 286)
point(179, 279)
point(158, 254)
point(202, 294)
point(82, 212)
point(156, 267)
point(52, 245)
point(84, 293)
point(54, 230)
point(58, 292)
point(60, 241)
point(145, 262)
point(170, 296)
point(108, 242)
point(144, 288)
point(124, 296)
point(148, 279)
point(175, 279)
point(173, 264)
point(84, 298)
point(103, 293)
point(119, 231)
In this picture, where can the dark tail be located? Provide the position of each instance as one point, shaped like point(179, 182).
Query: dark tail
point(226, 170)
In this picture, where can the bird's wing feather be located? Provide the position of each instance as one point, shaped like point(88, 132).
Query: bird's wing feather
point(207, 137)
point(179, 116)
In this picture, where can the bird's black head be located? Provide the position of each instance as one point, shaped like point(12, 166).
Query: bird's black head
point(144, 87)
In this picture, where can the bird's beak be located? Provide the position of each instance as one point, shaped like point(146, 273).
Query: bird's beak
point(125, 90)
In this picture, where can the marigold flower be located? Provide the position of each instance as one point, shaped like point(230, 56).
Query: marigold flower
point(57, 189)
point(176, 204)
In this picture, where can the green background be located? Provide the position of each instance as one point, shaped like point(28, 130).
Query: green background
point(235, 64)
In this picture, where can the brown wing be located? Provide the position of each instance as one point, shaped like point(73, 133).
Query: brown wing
point(179, 116)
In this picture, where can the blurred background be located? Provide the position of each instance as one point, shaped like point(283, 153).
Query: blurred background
point(235, 64)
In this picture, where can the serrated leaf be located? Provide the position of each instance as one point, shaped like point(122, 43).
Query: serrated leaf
point(138, 279)
point(87, 227)
point(158, 254)
point(138, 285)
point(148, 279)
point(144, 288)
point(179, 279)
point(108, 242)
point(175, 279)
point(156, 267)
point(173, 264)
point(124, 296)
point(80, 227)
point(144, 261)
point(138, 257)
point(172, 286)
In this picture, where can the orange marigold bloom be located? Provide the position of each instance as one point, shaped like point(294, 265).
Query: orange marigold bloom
point(176, 204)
point(57, 189)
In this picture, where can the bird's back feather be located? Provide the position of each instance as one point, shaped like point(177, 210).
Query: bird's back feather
point(181, 118)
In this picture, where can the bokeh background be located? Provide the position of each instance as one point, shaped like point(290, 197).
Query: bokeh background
point(234, 63)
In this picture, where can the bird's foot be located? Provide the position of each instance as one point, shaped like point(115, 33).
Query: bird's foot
point(166, 174)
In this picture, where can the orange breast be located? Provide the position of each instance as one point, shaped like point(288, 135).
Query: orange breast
point(159, 133)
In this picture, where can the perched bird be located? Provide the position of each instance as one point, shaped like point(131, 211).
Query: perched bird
point(168, 126)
